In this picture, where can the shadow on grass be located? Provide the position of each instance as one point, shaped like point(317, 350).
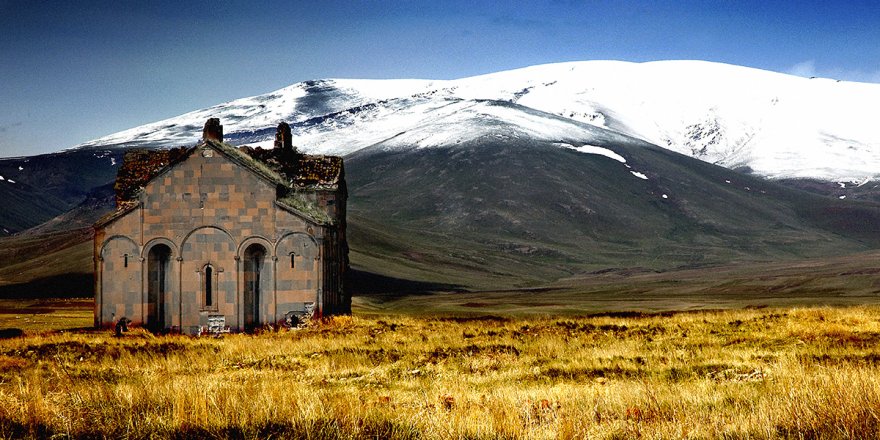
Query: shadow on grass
point(9, 333)
point(320, 428)
point(74, 285)
point(363, 283)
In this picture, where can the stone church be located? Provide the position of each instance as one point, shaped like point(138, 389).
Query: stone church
point(223, 238)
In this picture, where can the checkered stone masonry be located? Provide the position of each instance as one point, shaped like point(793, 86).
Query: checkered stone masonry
point(209, 209)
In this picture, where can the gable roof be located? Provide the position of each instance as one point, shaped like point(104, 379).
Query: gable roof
point(236, 155)
point(299, 170)
point(291, 172)
point(140, 166)
point(294, 203)
point(121, 209)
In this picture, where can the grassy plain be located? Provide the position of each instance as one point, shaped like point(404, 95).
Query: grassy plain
point(42, 315)
point(846, 280)
point(750, 373)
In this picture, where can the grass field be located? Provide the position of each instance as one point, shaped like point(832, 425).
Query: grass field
point(751, 373)
point(37, 316)
point(832, 281)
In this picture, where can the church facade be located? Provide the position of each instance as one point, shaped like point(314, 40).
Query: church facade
point(217, 236)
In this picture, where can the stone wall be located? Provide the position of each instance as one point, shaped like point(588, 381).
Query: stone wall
point(215, 216)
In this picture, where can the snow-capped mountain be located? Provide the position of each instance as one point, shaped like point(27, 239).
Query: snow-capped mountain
point(522, 177)
point(776, 125)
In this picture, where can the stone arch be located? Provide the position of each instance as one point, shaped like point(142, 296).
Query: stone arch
point(298, 273)
point(197, 229)
point(160, 240)
point(265, 242)
point(120, 288)
point(214, 246)
point(117, 237)
point(300, 243)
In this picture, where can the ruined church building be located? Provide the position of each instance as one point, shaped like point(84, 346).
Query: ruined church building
point(218, 236)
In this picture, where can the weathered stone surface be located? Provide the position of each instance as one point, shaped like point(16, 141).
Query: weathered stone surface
point(283, 140)
point(138, 167)
point(201, 236)
point(213, 131)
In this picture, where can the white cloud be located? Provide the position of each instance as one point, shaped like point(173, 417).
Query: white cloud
point(808, 69)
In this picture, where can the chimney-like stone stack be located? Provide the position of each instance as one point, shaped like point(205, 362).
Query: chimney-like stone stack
point(283, 139)
point(213, 131)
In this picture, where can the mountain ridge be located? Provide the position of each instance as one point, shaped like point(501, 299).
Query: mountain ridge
point(772, 124)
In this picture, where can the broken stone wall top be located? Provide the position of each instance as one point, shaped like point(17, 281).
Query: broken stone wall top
point(213, 131)
point(138, 168)
point(319, 171)
point(283, 139)
point(284, 164)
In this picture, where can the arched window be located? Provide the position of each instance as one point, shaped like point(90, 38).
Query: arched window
point(208, 286)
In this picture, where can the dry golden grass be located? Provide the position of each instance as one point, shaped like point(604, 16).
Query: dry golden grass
point(771, 373)
point(33, 316)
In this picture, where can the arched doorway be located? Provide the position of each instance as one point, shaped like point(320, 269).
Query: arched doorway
point(158, 282)
point(254, 262)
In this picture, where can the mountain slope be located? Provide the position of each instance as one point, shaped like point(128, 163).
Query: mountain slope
point(484, 194)
point(771, 124)
point(511, 208)
point(35, 189)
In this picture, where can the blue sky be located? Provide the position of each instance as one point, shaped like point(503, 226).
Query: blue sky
point(74, 71)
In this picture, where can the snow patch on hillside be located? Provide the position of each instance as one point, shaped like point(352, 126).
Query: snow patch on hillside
point(591, 149)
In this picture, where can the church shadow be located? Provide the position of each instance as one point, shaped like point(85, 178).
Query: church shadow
point(73, 285)
point(358, 282)
point(363, 283)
